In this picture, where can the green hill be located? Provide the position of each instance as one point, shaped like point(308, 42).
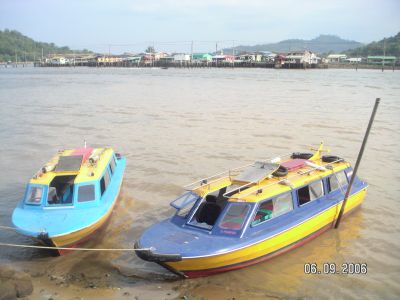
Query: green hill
point(13, 42)
point(321, 44)
point(392, 48)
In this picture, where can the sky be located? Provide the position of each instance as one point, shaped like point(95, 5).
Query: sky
point(171, 25)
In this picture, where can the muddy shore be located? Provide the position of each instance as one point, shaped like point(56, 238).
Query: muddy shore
point(58, 283)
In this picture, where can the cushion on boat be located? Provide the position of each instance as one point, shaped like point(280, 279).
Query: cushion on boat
point(294, 164)
point(85, 152)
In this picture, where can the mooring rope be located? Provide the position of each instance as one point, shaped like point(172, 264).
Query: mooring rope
point(67, 248)
point(76, 249)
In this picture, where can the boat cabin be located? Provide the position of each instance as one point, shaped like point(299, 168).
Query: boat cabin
point(263, 194)
point(73, 178)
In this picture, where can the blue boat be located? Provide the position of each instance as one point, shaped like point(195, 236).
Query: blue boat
point(250, 214)
point(71, 197)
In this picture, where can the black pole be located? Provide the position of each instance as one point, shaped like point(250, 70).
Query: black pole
point(360, 154)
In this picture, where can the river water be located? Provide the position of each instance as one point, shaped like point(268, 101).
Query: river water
point(179, 125)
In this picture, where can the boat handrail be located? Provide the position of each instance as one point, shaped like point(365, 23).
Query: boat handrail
point(238, 188)
point(204, 181)
point(287, 180)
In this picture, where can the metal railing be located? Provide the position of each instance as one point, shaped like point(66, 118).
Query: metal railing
point(286, 181)
point(228, 174)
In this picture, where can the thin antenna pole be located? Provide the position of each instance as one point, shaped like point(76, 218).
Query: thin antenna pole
point(216, 54)
point(109, 54)
point(233, 52)
point(384, 54)
point(360, 154)
point(153, 55)
point(191, 52)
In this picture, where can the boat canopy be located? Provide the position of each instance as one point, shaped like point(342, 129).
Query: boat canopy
point(256, 172)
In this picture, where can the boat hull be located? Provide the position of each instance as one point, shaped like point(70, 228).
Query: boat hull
point(294, 237)
point(75, 238)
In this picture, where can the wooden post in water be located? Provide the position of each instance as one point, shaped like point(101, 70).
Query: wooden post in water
point(360, 154)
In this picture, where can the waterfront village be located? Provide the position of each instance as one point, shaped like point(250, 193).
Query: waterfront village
point(294, 59)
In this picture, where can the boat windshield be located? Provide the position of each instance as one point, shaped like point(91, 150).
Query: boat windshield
point(184, 203)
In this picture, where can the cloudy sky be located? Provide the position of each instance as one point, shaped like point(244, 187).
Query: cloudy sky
point(172, 24)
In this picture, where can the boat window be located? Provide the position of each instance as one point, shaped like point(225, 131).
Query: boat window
point(183, 212)
point(337, 180)
point(104, 182)
point(86, 193)
point(184, 203)
point(34, 195)
point(273, 208)
point(112, 165)
point(235, 216)
point(310, 192)
point(61, 190)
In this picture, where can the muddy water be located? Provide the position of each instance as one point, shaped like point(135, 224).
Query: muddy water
point(176, 126)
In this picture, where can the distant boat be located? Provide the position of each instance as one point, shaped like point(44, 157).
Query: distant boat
point(71, 197)
point(250, 214)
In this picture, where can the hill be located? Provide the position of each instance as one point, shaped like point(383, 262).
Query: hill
point(320, 44)
point(13, 42)
point(392, 48)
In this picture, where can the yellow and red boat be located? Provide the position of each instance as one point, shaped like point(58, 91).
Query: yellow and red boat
point(251, 214)
point(71, 197)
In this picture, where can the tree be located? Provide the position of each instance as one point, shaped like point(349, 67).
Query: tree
point(150, 49)
point(14, 43)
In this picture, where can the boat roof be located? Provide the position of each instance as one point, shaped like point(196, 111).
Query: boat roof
point(87, 164)
point(257, 188)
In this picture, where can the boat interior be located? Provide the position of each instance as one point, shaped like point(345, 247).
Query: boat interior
point(61, 190)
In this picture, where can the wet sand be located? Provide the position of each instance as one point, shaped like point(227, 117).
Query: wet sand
point(176, 126)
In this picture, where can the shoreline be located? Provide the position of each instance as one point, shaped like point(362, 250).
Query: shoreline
point(210, 66)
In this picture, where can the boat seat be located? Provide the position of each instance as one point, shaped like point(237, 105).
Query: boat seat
point(208, 211)
point(52, 197)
